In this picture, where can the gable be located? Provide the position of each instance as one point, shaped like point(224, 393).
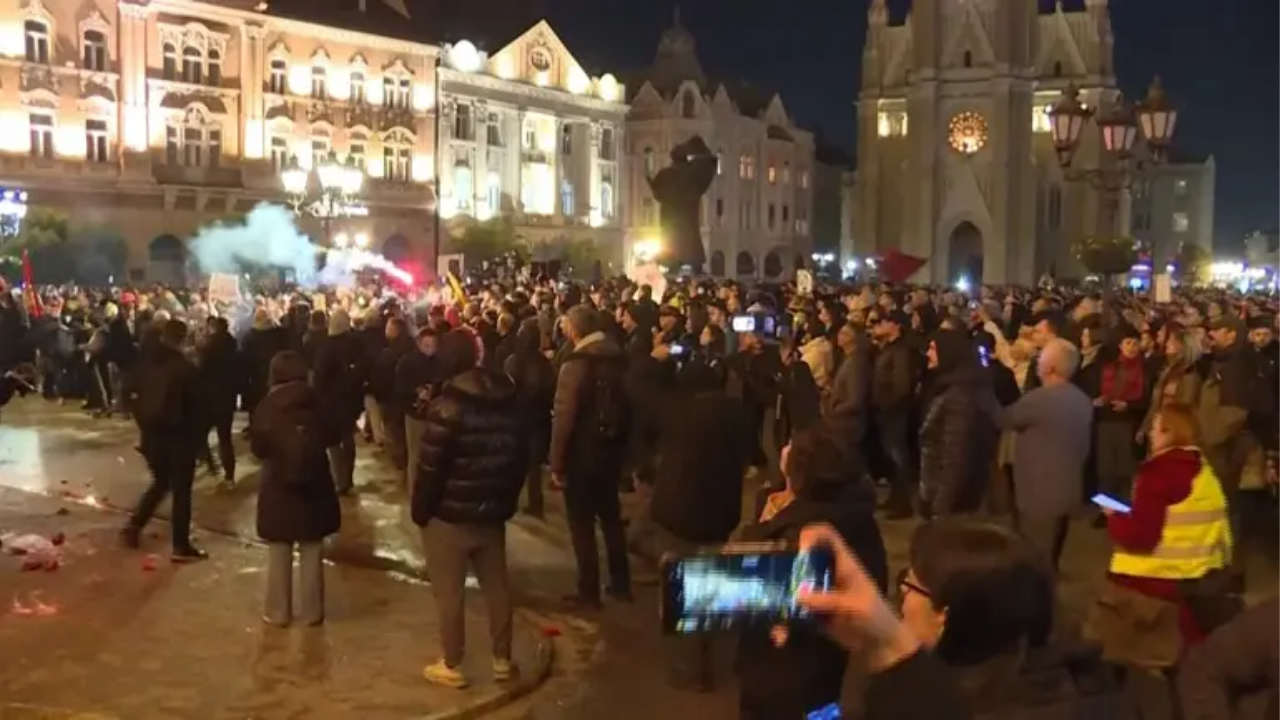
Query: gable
point(647, 104)
point(540, 57)
point(967, 44)
point(776, 113)
point(1059, 55)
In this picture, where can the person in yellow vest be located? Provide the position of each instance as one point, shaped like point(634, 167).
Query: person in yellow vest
point(1174, 536)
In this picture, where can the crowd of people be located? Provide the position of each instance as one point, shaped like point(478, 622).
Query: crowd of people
point(993, 418)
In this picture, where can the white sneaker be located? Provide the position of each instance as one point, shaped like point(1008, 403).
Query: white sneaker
point(441, 674)
point(504, 670)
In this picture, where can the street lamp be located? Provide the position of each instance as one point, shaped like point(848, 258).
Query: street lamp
point(339, 185)
point(1121, 126)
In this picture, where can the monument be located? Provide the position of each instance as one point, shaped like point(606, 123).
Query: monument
point(679, 188)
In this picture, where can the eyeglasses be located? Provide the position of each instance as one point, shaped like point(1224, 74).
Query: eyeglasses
point(905, 584)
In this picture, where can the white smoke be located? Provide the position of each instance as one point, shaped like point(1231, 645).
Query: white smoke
point(268, 238)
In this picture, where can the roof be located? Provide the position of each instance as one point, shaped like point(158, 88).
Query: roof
point(833, 156)
point(429, 21)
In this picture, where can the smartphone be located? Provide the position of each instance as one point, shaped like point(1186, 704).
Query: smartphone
point(1110, 503)
point(744, 323)
point(742, 584)
point(826, 712)
point(677, 349)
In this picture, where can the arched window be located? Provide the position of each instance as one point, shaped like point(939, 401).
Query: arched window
point(397, 150)
point(463, 189)
point(566, 198)
point(650, 162)
point(277, 82)
point(688, 104)
point(319, 82)
point(37, 37)
point(193, 141)
point(95, 51)
point(170, 54)
point(1057, 69)
point(356, 150)
point(279, 151)
point(606, 199)
point(215, 68)
point(357, 88)
point(192, 66)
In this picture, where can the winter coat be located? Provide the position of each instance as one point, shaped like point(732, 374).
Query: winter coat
point(576, 447)
point(957, 440)
point(341, 371)
point(474, 452)
point(382, 381)
point(297, 500)
point(535, 382)
point(260, 345)
point(414, 372)
point(222, 373)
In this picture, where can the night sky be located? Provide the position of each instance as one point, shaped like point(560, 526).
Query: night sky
point(1218, 60)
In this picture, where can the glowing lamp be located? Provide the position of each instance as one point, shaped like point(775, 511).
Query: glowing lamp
point(542, 78)
point(646, 250)
point(1157, 118)
point(253, 139)
point(361, 241)
point(1066, 120)
point(578, 82)
point(608, 87)
point(135, 128)
point(423, 97)
point(331, 173)
point(339, 85)
point(300, 79)
point(421, 168)
point(341, 240)
point(373, 91)
point(464, 57)
point(1119, 128)
point(352, 177)
point(294, 177)
point(963, 285)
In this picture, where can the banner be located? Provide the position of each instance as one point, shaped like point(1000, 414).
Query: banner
point(224, 287)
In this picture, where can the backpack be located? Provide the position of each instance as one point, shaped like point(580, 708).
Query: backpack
point(608, 407)
point(160, 402)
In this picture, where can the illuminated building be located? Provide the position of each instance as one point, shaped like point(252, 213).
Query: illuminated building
point(756, 217)
point(151, 119)
point(528, 135)
point(955, 156)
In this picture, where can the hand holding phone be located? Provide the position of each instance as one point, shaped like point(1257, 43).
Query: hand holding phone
point(1106, 502)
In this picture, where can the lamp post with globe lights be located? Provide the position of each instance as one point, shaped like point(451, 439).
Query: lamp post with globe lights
point(1120, 124)
point(339, 186)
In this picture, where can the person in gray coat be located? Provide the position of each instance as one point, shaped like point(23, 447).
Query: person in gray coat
point(1053, 423)
point(1239, 661)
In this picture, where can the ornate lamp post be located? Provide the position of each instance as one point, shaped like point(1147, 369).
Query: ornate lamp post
point(1120, 124)
point(339, 185)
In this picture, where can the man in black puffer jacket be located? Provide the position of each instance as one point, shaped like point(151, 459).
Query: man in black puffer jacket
point(470, 471)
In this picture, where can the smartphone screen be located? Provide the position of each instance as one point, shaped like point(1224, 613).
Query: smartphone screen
point(742, 585)
point(677, 349)
point(744, 323)
point(1110, 503)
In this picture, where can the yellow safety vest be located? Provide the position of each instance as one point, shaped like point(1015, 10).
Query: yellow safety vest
point(1196, 537)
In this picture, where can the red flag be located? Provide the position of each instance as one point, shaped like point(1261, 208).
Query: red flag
point(895, 267)
point(29, 295)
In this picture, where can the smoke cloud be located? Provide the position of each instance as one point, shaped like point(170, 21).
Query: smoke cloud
point(268, 238)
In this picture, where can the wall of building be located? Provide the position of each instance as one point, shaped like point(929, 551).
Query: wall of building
point(1172, 205)
point(153, 119)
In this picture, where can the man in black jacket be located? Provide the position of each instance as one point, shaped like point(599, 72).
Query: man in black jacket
point(382, 386)
point(471, 468)
point(417, 378)
point(170, 417)
point(223, 376)
point(341, 373)
point(892, 394)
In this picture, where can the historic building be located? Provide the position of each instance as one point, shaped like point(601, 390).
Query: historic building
point(1173, 205)
point(955, 156)
point(528, 135)
point(756, 217)
point(151, 119)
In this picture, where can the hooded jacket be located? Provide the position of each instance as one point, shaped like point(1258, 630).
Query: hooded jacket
point(957, 440)
point(474, 452)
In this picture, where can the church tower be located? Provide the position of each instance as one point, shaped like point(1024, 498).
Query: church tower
point(950, 151)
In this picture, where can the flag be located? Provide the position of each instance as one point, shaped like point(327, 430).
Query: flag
point(459, 294)
point(895, 267)
point(29, 295)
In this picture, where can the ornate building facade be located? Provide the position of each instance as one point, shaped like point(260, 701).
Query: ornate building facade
point(955, 158)
point(526, 134)
point(757, 215)
point(151, 119)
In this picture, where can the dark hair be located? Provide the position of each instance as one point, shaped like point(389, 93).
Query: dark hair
point(457, 352)
point(287, 366)
point(218, 324)
point(814, 463)
point(996, 588)
point(173, 333)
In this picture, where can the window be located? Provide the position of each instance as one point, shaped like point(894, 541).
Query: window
point(688, 105)
point(891, 124)
point(192, 66)
point(463, 189)
point(396, 92)
point(319, 150)
point(771, 216)
point(1179, 187)
point(650, 162)
point(319, 83)
point(606, 199)
point(1057, 69)
point(357, 88)
point(213, 138)
point(773, 175)
point(493, 131)
point(493, 194)
point(804, 179)
point(95, 51)
point(968, 59)
point(1180, 222)
point(279, 152)
point(786, 215)
point(170, 61)
point(192, 147)
point(1055, 207)
point(276, 79)
point(356, 151)
point(42, 136)
point(744, 215)
point(566, 198)
point(95, 141)
point(462, 123)
point(566, 139)
point(37, 35)
point(746, 167)
point(215, 68)
point(786, 173)
point(396, 159)
point(404, 92)
point(1040, 120)
point(530, 136)
point(719, 211)
point(607, 148)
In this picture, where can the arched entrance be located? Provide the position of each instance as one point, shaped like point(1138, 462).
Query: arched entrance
point(717, 264)
point(964, 254)
point(167, 260)
point(745, 264)
point(772, 265)
point(396, 249)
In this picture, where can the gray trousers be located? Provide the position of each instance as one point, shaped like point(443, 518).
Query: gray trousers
point(413, 430)
point(279, 608)
point(452, 549)
point(342, 463)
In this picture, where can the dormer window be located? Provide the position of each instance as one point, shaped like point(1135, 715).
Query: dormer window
point(357, 88)
point(95, 51)
point(277, 80)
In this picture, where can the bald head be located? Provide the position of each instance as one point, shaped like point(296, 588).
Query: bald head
point(1058, 361)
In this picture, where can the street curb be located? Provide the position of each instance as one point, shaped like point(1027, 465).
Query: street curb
point(529, 680)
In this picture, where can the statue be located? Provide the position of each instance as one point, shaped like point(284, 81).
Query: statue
point(679, 188)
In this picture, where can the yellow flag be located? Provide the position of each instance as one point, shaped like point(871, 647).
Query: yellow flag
point(459, 294)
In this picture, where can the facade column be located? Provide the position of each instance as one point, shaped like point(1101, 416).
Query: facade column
point(557, 156)
point(518, 151)
point(252, 77)
point(480, 158)
point(446, 162)
point(134, 130)
point(595, 212)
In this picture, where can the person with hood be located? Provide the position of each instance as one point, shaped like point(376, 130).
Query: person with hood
point(297, 502)
point(957, 441)
point(341, 372)
point(471, 467)
point(222, 376)
point(417, 379)
point(590, 424)
point(535, 382)
point(382, 386)
point(314, 334)
point(793, 678)
point(260, 345)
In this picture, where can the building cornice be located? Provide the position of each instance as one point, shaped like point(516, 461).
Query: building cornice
point(482, 83)
point(292, 27)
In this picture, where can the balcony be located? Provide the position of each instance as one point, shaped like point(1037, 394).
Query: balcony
point(536, 157)
point(60, 168)
point(221, 177)
point(397, 192)
point(38, 77)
